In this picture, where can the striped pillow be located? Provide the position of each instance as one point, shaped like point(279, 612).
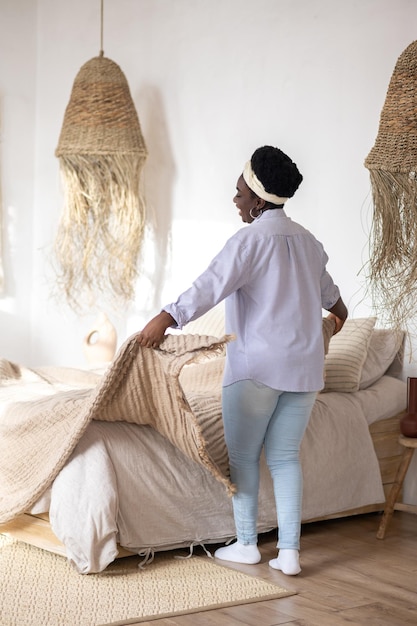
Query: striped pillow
point(346, 356)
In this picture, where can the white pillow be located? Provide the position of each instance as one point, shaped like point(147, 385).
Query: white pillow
point(382, 350)
point(346, 356)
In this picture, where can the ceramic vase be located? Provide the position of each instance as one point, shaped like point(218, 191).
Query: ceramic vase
point(408, 424)
point(100, 344)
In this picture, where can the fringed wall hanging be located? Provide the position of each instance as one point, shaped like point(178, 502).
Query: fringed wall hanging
point(392, 164)
point(101, 151)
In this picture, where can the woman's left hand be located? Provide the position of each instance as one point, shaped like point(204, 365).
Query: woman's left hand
point(338, 323)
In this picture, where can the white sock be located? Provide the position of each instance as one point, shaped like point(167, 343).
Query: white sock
point(239, 553)
point(288, 562)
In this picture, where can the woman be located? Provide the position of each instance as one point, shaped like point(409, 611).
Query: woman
point(273, 278)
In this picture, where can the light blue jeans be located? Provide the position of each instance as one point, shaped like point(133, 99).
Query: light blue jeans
point(257, 416)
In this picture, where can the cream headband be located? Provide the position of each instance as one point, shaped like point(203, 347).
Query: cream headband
point(257, 187)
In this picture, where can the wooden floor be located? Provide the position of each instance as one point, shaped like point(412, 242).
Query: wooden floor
point(348, 577)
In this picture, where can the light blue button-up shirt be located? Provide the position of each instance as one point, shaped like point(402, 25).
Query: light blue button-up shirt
point(272, 275)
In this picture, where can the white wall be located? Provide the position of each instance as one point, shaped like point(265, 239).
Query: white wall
point(17, 168)
point(211, 81)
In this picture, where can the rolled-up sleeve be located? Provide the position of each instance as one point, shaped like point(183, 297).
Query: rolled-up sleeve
point(330, 292)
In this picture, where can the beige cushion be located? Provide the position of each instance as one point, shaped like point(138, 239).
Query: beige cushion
point(347, 353)
point(383, 348)
point(211, 323)
point(328, 329)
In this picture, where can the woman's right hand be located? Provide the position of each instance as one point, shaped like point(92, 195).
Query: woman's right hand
point(154, 332)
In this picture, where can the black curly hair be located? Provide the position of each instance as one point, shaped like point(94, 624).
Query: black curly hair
point(276, 171)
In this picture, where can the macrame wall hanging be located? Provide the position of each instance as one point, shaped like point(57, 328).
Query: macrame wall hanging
point(101, 152)
point(392, 164)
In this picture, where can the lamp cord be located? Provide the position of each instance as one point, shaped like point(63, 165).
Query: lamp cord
point(101, 28)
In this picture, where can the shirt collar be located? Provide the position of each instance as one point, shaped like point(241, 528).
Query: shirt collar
point(271, 213)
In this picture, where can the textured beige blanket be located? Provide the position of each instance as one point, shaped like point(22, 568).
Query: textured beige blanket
point(44, 412)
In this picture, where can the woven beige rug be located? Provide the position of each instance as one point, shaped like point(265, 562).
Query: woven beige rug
point(38, 587)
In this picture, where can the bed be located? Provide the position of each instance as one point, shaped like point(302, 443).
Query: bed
point(97, 464)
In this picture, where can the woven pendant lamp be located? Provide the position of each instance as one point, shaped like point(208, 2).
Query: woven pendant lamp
point(101, 152)
point(392, 164)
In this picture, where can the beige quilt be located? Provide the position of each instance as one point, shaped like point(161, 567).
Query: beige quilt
point(44, 412)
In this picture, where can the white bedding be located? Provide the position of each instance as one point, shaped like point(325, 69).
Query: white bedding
point(125, 483)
